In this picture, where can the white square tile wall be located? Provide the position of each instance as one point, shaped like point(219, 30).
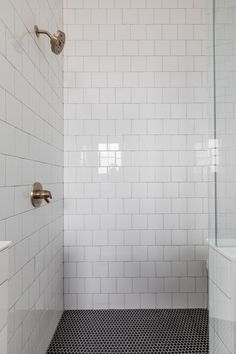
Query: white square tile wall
point(4, 274)
point(222, 268)
point(31, 149)
point(135, 153)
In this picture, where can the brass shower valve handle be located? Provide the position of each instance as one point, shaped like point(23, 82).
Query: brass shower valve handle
point(42, 195)
point(38, 194)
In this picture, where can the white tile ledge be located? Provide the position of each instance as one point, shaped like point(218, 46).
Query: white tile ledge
point(4, 245)
point(227, 252)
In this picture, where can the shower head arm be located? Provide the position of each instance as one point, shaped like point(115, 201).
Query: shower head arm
point(57, 39)
point(41, 31)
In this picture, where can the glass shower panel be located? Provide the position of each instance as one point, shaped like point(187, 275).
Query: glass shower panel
point(225, 121)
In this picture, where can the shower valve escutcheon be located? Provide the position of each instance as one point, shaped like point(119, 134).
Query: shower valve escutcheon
point(38, 194)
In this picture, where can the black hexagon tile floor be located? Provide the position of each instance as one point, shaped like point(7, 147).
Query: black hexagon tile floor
point(132, 331)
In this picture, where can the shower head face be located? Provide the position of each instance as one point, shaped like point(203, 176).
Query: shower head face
point(57, 39)
point(57, 42)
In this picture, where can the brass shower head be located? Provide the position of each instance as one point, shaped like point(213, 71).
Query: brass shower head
point(57, 39)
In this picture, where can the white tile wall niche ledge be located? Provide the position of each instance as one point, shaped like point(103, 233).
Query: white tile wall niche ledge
point(225, 246)
point(222, 298)
point(4, 245)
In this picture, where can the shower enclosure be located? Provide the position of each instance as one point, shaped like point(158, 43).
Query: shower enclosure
point(222, 191)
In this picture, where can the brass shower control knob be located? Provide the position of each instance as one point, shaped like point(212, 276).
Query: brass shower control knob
point(38, 195)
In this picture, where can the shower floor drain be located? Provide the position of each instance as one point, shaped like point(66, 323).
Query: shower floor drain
point(132, 331)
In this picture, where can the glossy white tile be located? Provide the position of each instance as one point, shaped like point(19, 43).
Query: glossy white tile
point(135, 152)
